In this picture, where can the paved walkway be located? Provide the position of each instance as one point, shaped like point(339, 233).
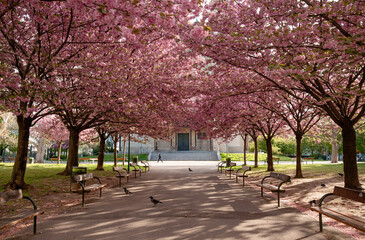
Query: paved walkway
point(202, 204)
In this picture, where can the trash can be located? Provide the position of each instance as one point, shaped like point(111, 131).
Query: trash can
point(228, 162)
point(135, 159)
point(74, 186)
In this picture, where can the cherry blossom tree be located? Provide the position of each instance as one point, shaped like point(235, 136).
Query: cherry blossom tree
point(311, 46)
point(39, 37)
point(297, 114)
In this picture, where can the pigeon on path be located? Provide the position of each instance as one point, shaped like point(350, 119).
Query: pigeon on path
point(323, 185)
point(341, 174)
point(155, 201)
point(190, 170)
point(127, 192)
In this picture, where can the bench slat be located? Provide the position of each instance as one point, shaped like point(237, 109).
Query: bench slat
point(83, 177)
point(12, 220)
point(94, 187)
point(352, 194)
point(271, 187)
point(350, 220)
point(280, 176)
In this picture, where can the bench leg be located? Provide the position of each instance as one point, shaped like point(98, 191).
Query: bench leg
point(83, 198)
point(320, 223)
point(278, 199)
point(243, 181)
point(262, 192)
point(35, 225)
point(100, 191)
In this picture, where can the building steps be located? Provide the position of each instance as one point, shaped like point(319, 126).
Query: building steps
point(185, 156)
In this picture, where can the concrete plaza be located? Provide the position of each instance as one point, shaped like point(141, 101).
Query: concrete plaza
point(202, 204)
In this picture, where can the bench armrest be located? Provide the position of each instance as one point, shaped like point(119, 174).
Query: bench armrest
point(32, 201)
point(98, 179)
point(322, 199)
point(262, 181)
point(282, 183)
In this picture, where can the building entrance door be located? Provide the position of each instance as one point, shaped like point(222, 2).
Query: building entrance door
point(183, 141)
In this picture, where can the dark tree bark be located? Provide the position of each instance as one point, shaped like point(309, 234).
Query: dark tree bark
point(103, 138)
point(59, 152)
point(298, 172)
point(349, 157)
point(20, 164)
point(270, 163)
point(73, 150)
point(245, 149)
point(115, 140)
point(256, 152)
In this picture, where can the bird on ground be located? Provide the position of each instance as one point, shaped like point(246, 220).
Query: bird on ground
point(341, 174)
point(313, 202)
point(323, 185)
point(155, 201)
point(127, 192)
point(190, 170)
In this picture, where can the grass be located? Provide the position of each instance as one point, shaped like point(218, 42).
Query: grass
point(251, 157)
point(309, 170)
point(42, 176)
point(110, 157)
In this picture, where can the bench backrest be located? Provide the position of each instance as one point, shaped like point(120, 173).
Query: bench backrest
point(11, 195)
point(83, 177)
point(232, 164)
point(133, 164)
point(352, 194)
point(280, 176)
point(246, 168)
point(120, 168)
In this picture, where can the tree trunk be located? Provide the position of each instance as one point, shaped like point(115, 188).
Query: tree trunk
point(256, 151)
point(115, 140)
point(101, 152)
point(124, 143)
point(244, 149)
point(335, 146)
point(20, 164)
point(298, 172)
point(41, 149)
point(270, 163)
point(59, 152)
point(349, 157)
point(73, 151)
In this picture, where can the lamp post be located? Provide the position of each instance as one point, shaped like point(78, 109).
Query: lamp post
point(129, 150)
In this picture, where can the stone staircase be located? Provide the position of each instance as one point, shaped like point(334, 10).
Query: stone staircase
point(185, 156)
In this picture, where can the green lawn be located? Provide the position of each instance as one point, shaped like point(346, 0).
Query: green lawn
point(309, 170)
point(110, 157)
point(43, 175)
point(251, 157)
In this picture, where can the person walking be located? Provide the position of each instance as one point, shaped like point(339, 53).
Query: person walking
point(159, 157)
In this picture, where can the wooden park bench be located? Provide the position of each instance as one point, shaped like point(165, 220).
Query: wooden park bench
point(146, 165)
point(88, 159)
point(229, 169)
point(10, 221)
point(276, 159)
point(273, 188)
point(308, 158)
point(122, 159)
point(344, 217)
point(241, 173)
point(136, 168)
point(221, 165)
point(82, 179)
point(122, 173)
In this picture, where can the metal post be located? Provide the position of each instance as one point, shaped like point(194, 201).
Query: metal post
point(129, 151)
